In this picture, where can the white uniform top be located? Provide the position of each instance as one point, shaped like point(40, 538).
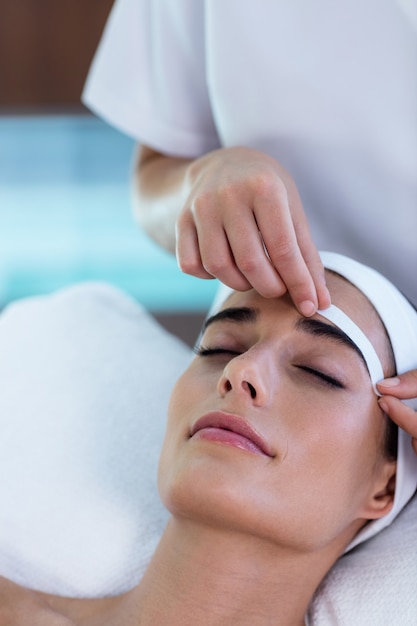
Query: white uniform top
point(327, 88)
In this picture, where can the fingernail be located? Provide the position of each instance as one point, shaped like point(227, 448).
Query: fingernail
point(390, 382)
point(307, 308)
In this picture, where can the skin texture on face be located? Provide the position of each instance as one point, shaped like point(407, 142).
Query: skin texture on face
point(313, 471)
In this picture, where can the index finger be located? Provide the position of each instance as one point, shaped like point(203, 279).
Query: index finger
point(276, 226)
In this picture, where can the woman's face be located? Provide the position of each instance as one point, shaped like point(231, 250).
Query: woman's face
point(274, 428)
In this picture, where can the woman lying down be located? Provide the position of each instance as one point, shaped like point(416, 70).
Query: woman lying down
point(278, 457)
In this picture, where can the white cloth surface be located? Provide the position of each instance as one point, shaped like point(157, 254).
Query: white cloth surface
point(375, 584)
point(85, 377)
point(327, 88)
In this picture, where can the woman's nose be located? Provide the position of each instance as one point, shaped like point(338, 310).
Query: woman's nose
point(249, 374)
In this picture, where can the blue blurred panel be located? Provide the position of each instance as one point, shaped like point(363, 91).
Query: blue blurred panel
point(65, 216)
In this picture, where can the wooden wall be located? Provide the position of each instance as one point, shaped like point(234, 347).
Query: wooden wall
point(46, 47)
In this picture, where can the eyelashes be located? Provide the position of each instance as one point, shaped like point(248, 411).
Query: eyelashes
point(320, 376)
point(203, 351)
point(325, 378)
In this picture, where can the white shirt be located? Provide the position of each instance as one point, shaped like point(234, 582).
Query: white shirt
point(327, 88)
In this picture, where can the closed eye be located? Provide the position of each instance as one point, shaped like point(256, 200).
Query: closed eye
point(325, 378)
point(203, 351)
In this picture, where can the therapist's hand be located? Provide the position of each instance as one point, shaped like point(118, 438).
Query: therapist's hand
point(22, 607)
point(395, 390)
point(239, 202)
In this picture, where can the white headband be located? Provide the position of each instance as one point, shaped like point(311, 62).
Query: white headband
point(400, 321)
point(342, 321)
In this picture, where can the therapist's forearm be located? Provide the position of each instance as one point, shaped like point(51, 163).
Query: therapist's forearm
point(158, 194)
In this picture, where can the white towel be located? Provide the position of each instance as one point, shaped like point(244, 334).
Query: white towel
point(85, 377)
point(374, 584)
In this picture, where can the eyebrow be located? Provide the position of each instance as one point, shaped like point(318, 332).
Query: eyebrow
point(313, 327)
point(239, 315)
point(318, 328)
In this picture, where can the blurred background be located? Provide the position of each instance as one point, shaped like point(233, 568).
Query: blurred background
point(65, 209)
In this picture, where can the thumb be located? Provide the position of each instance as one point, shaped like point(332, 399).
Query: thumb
point(402, 386)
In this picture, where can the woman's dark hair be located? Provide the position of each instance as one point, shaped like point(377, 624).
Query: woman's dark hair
point(391, 431)
point(391, 440)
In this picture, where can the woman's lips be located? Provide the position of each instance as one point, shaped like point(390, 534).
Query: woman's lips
point(231, 430)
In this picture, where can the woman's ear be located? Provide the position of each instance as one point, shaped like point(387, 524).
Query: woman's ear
point(382, 496)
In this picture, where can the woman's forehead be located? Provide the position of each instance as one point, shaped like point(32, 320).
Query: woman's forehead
point(348, 297)
point(344, 295)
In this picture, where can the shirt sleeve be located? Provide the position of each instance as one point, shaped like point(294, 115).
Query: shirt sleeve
point(148, 76)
